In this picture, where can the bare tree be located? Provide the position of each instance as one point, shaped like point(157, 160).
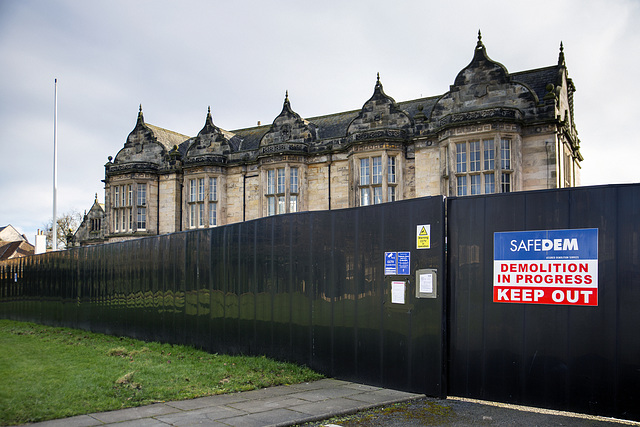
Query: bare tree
point(68, 223)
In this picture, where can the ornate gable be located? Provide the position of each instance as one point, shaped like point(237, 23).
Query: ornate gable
point(380, 112)
point(288, 133)
point(142, 146)
point(483, 90)
point(212, 145)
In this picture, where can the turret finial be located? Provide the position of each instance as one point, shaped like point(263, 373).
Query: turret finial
point(140, 116)
point(479, 44)
point(561, 55)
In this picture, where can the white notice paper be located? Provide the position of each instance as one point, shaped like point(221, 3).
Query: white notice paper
point(397, 292)
point(426, 283)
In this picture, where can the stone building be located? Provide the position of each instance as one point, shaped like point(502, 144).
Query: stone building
point(90, 230)
point(13, 244)
point(491, 132)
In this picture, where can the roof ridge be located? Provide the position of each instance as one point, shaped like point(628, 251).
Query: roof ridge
point(168, 130)
point(549, 67)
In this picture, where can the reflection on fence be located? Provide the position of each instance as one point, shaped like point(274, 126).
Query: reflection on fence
point(308, 288)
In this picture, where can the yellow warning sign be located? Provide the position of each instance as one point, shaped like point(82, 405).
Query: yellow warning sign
point(423, 236)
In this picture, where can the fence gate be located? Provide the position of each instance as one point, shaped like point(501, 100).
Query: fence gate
point(562, 354)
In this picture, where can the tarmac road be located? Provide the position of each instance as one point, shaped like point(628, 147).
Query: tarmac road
point(465, 412)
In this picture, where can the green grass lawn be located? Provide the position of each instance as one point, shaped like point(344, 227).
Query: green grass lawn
point(48, 373)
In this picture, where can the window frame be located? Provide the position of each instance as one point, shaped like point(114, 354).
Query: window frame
point(485, 163)
point(378, 178)
point(282, 185)
point(202, 194)
point(129, 199)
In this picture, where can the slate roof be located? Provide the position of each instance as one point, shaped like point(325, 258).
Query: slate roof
point(334, 126)
point(15, 250)
point(538, 79)
point(331, 126)
point(167, 138)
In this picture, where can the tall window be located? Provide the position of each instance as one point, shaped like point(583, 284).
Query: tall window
point(476, 166)
point(96, 223)
point(213, 201)
point(505, 165)
point(123, 208)
point(202, 202)
point(293, 190)
point(461, 167)
point(374, 178)
point(282, 190)
point(391, 179)
point(365, 190)
point(142, 206)
point(193, 207)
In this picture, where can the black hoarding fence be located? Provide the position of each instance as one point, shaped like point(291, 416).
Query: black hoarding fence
point(313, 288)
point(310, 288)
point(571, 357)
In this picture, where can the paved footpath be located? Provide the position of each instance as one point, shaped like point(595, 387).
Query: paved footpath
point(273, 406)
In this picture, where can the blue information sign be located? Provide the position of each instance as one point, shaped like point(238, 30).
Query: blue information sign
point(390, 263)
point(404, 263)
point(546, 244)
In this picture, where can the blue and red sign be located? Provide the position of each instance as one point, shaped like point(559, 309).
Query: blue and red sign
point(546, 267)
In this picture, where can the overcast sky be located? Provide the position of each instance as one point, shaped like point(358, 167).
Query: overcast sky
point(239, 57)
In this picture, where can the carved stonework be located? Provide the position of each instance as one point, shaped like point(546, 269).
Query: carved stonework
point(491, 113)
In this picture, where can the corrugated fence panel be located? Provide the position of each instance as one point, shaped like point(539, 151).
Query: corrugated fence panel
point(577, 358)
point(308, 287)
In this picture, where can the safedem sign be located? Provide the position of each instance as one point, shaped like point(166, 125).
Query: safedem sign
point(546, 267)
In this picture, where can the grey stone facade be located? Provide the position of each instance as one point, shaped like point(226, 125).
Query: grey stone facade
point(492, 131)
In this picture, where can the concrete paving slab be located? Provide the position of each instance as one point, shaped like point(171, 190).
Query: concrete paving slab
point(336, 406)
point(134, 413)
point(262, 405)
point(140, 422)
point(325, 383)
point(382, 396)
point(267, 418)
point(77, 421)
point(266, 392)
point(362, 387)
point(200, 416)
point(325, 393)
point(204, 402)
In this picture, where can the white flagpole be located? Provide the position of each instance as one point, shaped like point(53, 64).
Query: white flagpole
point(54, 229)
